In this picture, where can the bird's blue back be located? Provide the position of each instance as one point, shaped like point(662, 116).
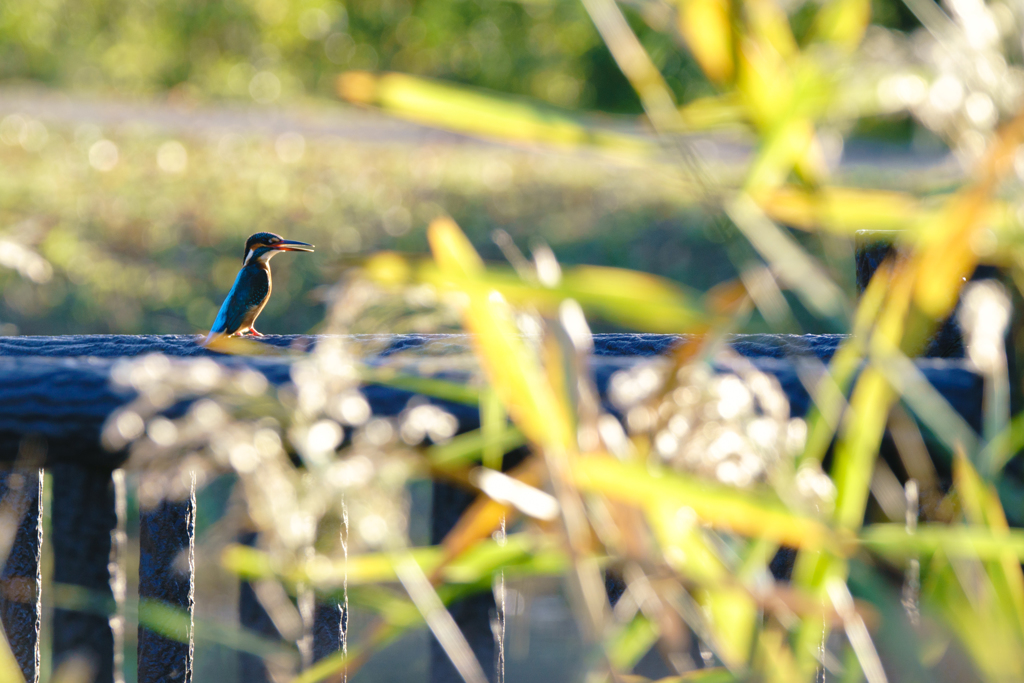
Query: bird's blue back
point(250, 291)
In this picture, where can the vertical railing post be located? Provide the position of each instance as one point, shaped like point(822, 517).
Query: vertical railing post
point(325, 631)
point(471, 614)
point(328, 624)
point(21, 585)
point(84, 519)
point(252, 616)
point(167, 579)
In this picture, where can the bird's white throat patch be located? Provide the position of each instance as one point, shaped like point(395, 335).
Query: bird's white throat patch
point(262, 258)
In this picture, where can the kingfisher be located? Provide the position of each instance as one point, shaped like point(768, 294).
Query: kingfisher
point(251, 290)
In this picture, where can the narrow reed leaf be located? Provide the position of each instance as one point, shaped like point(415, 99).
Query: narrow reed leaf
point(790, 144)
point(427, 386)
point(1004, 445)
point(485, 515)
point(483, 113)
point(438, 618)
point(707, 27)
point(856, 452)
point(773, 657)
point(842, 23)
point(768, 25)
point(825, 418)
point(452, 250)
point(716, 112)
point(788, 260)
point(247, 562)
point(173, 622)
point(632, 643)
point(750, 513)
point(926, 402)
point(981, 506)
point(347, 662)
point(626, 297)
point(893, 542)
point(513, 370)
point(844, 211)
point(520, 555)
point(493, 429)
point(474, 446)
point(709, 675)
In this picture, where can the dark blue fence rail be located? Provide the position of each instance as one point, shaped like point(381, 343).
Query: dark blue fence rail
point(55, 394)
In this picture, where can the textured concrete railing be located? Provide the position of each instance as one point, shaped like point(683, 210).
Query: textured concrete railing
point(55, 394)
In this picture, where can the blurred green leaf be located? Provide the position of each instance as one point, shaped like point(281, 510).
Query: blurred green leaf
point(757, 514)
point(520, 554)
point(630, 298)
point(632, 643)
point(1003, 446)
point(707, 27)
point(427, 386)
point(981, 506)
point(846, 210)
point(479, 112)
point(842, 23)
point(171, 621)
point(493, 425)
point(894, 542)
point(347, 663)
point(855, 454)
point(790, 263)
point(512, 369)
point(714, 113)
point(928, 404)
point(472, 446)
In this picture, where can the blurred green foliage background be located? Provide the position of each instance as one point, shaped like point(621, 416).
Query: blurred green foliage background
point(135, 248)
point(548, 50)
point(140, 249)
point(142, 225)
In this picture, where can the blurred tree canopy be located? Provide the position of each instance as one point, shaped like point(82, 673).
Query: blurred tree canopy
point(270, 50)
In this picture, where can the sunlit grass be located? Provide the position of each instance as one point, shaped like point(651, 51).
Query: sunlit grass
point(144, 230)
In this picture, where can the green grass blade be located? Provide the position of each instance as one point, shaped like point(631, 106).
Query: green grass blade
point(473, 446)
point(893, 542)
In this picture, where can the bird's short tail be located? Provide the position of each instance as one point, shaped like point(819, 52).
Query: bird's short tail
point(213, 336)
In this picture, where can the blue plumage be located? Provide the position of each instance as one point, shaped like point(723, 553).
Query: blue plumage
point(252, 286)
point(245, 301)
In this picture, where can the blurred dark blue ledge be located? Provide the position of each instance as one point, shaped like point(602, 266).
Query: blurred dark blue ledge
point(58, 388)
point(56, 394)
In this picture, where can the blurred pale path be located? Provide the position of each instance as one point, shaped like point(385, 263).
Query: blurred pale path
point(314, 120)
point(324, 119)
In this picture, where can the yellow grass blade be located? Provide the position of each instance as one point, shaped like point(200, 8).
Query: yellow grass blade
point(482, 113)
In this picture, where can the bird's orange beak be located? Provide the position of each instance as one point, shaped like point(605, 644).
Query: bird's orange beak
point(292, 245)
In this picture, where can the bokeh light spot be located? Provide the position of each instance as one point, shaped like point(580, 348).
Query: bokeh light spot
point(172, 157)
point(265, 87)
point(103, 155)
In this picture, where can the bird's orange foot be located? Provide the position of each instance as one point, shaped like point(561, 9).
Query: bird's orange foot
point(254, 332)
